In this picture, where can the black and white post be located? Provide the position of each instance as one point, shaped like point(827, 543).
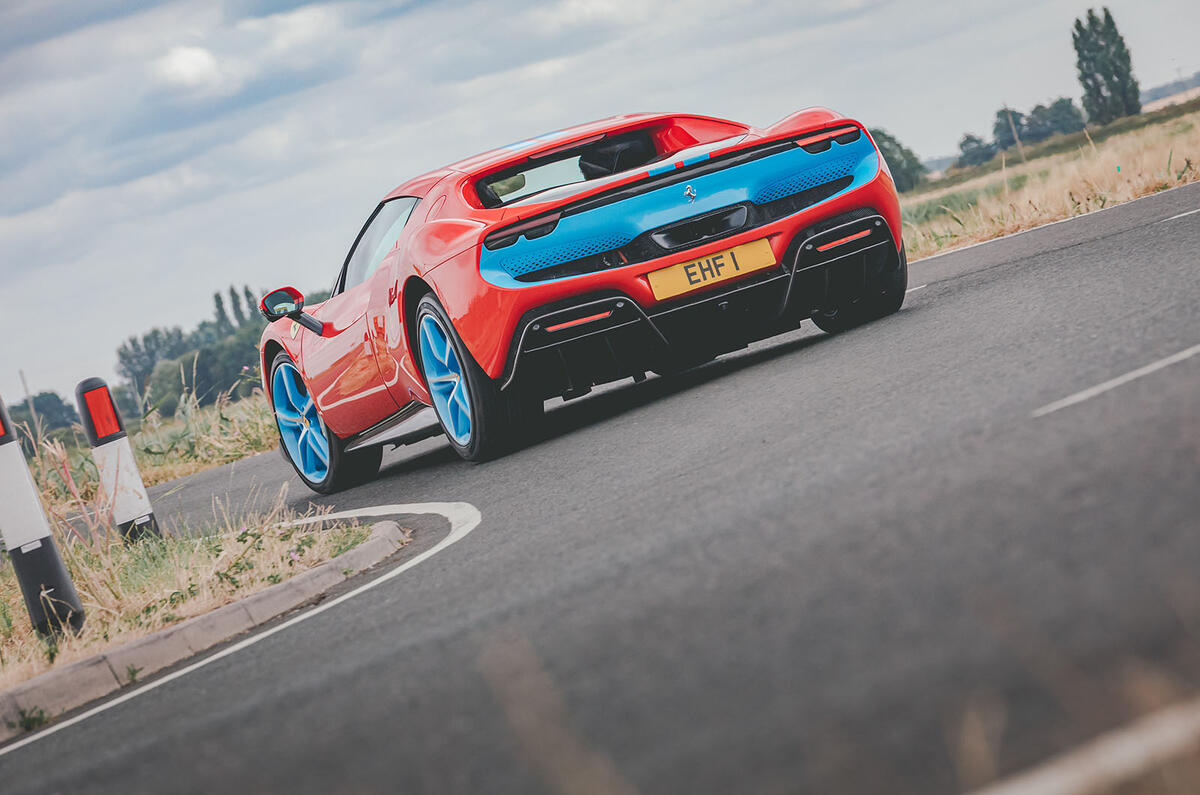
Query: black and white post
point(120, 481)
point(49, 593)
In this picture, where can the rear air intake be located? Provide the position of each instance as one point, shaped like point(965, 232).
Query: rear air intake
point(532, 229)
point(818, 142)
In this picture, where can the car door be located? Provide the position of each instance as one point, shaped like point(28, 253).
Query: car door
point(340, 365)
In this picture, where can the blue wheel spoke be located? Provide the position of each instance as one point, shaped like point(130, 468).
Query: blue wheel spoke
point(444, 354)
point(293, 389)
point(287, 417)
point(459, 396)
point(318, 444)
point(300, 427)
point(303, 449)
point(443, 374)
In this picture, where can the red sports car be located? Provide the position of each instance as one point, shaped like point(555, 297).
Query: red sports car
point(647, 242)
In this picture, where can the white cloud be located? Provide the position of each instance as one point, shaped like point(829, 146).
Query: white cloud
point(191, 67)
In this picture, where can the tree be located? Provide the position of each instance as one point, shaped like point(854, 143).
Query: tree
point(251, 301)
point(1124, 84)
point(906, 169)
point(220, 316)
point(1105, 69)
point(1038, 125)
point(974, 150)
point(235, 306)
point(1002, 130)
point(52, 411)
point(128, 403)
point(1064, 116)
point(137, 356)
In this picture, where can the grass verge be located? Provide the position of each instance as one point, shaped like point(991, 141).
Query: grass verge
point(196, 438)
point(1020, 196)
point(131, 590)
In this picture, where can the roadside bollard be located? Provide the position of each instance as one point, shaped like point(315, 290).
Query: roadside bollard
point(120, 480)
point(50, 595)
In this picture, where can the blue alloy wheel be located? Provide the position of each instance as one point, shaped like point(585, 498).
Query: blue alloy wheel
point(446, 380)
point(300, 427)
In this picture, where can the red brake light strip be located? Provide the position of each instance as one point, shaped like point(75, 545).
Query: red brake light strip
point(846, 239)
point(579, 321)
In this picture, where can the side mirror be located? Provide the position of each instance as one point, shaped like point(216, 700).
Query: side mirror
point(289, 302)
point(281, 303)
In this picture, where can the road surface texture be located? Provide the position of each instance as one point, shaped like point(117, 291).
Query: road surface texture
point(825, 564)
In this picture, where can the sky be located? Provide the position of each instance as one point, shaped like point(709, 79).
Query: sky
point(154, 152)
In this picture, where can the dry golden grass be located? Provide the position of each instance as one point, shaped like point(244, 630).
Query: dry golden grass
point(131, 590)
point(195, 439)
point(198, 438)
point(1026, 195)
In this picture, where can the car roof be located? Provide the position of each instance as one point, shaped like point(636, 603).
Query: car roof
point(520, 150)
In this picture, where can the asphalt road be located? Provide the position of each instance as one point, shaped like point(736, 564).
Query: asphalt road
point(825, 564)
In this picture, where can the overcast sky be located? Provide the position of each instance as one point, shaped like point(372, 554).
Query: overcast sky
point(151, 153)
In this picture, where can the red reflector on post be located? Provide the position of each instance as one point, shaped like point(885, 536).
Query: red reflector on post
point(846, 239)
point(103, 414)
point(579, 321)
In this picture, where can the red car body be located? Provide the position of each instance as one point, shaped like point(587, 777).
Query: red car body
point(363, 368)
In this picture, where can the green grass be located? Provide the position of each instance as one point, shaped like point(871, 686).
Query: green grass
point(959, 202)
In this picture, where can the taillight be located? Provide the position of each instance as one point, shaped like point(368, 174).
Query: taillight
point(820, 141)
point(531, 229)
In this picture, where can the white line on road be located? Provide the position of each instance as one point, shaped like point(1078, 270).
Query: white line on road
point(1112, 758)
point(1181, 215)
point(914, 289)
point(1100, 389)
point(463, 517)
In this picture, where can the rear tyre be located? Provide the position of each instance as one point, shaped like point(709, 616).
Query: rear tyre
point(480, 421)
point(884, 295)
point(318, 456)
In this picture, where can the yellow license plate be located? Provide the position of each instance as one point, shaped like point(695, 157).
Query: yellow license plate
point(720, 266)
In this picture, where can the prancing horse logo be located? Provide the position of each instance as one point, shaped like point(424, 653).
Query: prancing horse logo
point(690, 193)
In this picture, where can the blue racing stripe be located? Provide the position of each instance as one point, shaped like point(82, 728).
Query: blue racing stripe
point(614, 225)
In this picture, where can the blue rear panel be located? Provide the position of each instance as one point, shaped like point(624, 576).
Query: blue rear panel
point(614, 225)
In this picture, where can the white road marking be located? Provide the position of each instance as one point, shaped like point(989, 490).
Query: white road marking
point(1112, 758)
point(914, 289)
point(1100, 389)
point(463, 517)
point(1181, 215)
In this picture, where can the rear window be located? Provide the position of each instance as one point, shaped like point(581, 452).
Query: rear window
point(600, 159)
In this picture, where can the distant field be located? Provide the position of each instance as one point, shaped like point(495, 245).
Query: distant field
point(1105, 167)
